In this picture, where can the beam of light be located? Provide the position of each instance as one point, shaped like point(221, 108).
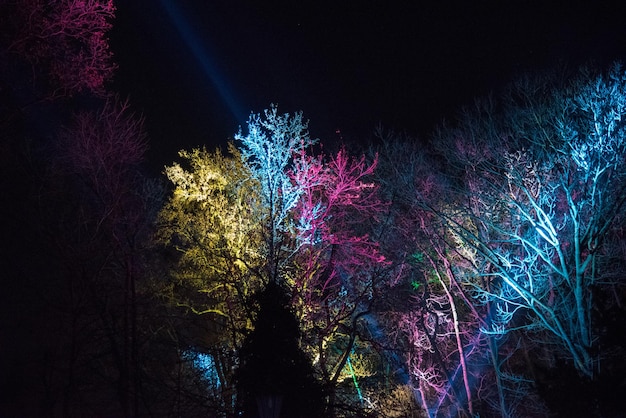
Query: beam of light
point(356, 384)
point(202, 56)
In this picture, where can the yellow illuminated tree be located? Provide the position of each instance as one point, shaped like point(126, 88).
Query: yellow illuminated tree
point(212, 221)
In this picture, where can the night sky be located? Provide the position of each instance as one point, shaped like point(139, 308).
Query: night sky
point(197, 68)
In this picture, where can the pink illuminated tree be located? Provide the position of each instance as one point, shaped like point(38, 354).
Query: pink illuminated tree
point(66, 40)
point(340, 270)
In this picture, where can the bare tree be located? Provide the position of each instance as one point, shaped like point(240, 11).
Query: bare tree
point(541, 199)
point(439, 324)
point(100, 238)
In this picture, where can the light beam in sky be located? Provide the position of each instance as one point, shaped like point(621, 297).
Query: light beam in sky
point(202, 56)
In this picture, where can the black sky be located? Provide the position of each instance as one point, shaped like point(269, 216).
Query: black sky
point(197, 68)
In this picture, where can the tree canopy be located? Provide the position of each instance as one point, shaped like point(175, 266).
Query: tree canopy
point(478, 272)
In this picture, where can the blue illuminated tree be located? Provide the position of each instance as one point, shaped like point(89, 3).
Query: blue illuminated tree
point(316, 215)
point(268, 151)
point(544, 185)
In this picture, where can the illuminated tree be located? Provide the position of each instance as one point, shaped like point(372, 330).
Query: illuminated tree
point(230, 217)
point(214, 221)
point(544, 187)
point(425, 324)
point(268, 151)
point(65, 40)
point(340, 270)
point(433, 319)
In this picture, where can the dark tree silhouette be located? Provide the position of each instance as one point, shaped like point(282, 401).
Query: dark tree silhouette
point(273, 367)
